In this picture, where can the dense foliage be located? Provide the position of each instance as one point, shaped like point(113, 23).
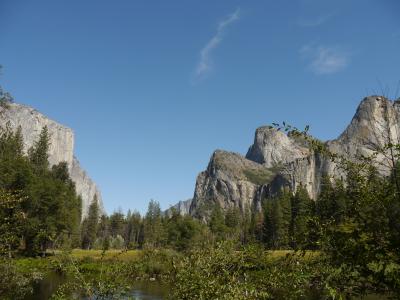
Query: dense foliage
point(46, 197)
point(154, 230)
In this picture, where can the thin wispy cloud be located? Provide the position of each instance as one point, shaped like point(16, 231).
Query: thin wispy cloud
point(325, 60)
point(314, 22)
point(204, 66)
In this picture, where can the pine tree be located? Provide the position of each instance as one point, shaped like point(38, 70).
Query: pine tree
point(103, 232)
point(273, 223)
point(19, 142)
point(103, 229)
point(38, 154)
point(60, 172)
point(52, 208)
point(284, 199)
point(133, 227)
point(277, 220)
point(217, 223)
point(117, 223)
point(11, 222)
point(330, 205)
point(245, 234)
point(15, 169)
point(11, 143)
point(233, 222)
point(302, 208)
point(154, 233)
point(90, 225)
point(257, 226)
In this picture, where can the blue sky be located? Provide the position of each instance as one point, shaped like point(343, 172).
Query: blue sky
point(152, 88)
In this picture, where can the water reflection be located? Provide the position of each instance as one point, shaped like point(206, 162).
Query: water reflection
point(141, 290)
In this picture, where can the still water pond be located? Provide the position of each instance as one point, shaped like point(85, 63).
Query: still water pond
point(141, 290)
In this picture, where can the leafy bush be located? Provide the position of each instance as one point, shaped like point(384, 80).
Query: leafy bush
point(225, 272)
point(15, 284)
point(218, 273)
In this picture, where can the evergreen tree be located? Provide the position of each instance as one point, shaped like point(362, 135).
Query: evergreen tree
point(103, 233)
point(38, 154)
point(133, 227)
point(11, 143)
point(245, 234)
point(90, 225)
point(11, 222)
point(60, 172)
point(15, 169)
point(302, 208)
point(217, 223)
point(331, 204)
point(257, 226)
point(274, 230)
point(52, 208)
point(103, 229)
point(154, 233)
point(117, 223)
point(233, 222)
point(19, 142)
point(285, 200)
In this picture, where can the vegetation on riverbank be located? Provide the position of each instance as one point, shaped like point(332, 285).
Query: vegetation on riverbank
point(189, 275)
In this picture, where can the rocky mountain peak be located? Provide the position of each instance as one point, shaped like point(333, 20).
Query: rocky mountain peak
point(375, 124)
point(376, 119)
point(272, 147)
point(230, 180)
point(277, 160)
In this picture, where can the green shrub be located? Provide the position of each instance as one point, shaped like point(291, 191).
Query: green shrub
point(14, 283)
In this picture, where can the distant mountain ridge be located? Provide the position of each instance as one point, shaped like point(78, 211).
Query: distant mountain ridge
point(277, 160)
point(61, 146)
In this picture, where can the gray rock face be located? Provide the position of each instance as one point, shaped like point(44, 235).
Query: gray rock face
point(290, 163)
point(230, 181)
point(375, 124)
point(182, 207)
point(85, 187)
point(272, 147)
point(61, 146)
point(32, 123)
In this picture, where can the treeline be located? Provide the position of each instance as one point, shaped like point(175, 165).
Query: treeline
point(283, 223)
point(158, 229)
point(133, 231)
point(39, 207)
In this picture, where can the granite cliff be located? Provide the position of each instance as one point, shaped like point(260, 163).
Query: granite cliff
point(61, 146)
point(182, 207)
point(277, 159)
